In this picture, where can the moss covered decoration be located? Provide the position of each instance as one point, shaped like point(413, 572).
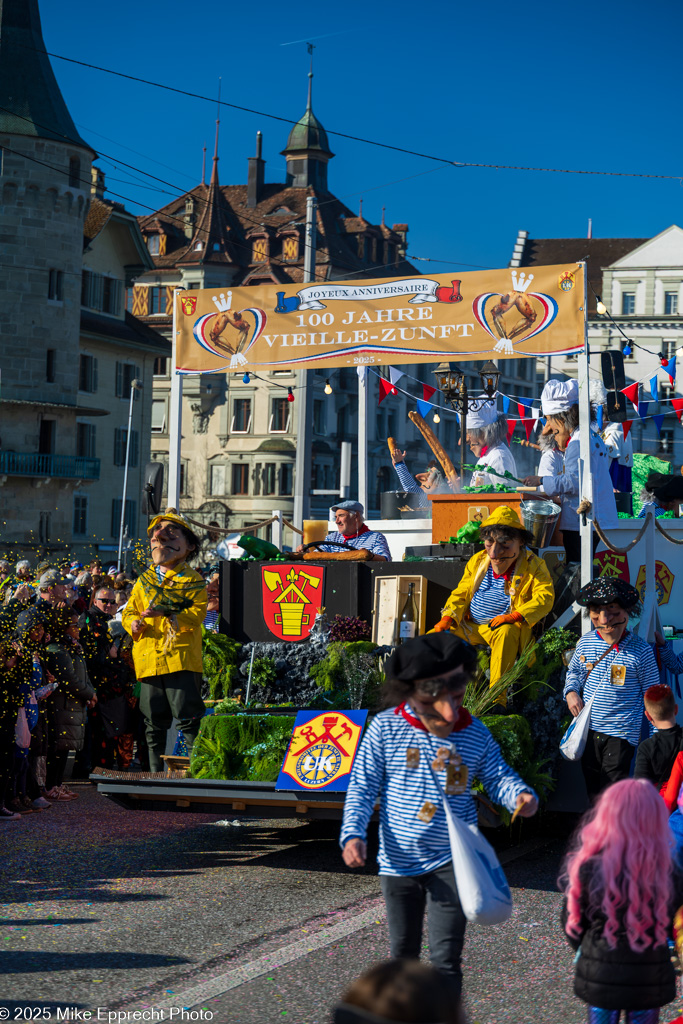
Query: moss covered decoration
point(248, 747)
point(328, 674)
point(220, 657)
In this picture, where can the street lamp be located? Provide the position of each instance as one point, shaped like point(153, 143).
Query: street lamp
point(451, 384)
point(135, 385)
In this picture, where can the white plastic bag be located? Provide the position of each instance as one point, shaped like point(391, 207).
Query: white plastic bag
point(22, 733)
point(484, 893)
point(573, 743)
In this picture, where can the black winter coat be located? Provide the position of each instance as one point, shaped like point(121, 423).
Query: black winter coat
point(619, 979)
point(67, 703)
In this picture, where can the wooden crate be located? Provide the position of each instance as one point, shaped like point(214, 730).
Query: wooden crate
point(451, 511)
point(390, 595)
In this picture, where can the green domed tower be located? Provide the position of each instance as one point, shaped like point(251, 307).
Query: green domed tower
point(307, 150)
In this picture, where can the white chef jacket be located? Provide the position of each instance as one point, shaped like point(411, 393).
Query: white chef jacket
point(499, 458)
point(566, 485)
point(552, 463)
point(617, 446)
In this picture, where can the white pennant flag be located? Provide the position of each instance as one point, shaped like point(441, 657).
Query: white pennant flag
point(395, 375)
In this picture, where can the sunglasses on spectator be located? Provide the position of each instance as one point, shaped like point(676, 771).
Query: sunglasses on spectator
point(102, 600)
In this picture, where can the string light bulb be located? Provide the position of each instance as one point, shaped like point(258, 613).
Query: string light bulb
point(627, 350)
point(601, 308)
point(328, 387)
point(246, 379)
point(436, 418)
point(290, 395)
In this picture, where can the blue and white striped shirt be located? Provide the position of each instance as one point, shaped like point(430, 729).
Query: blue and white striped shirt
point(490, 598)
point(650, 506)
point(410, 484)
point(371, 539)
point(674, 662)
point(409, 846)
point(616, 710)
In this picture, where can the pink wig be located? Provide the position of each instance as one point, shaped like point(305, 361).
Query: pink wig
point(626, 840)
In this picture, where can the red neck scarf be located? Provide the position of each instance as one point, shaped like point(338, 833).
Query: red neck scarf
point(356, 533)
point(616, 646)
point(483, 451)
point(464, 719)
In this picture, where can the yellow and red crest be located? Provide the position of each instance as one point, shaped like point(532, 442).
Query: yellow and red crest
point(611, 565)
point(664, 581)
point(290, 597)
point(566, 280)
point(189, 304)
point(321, 750)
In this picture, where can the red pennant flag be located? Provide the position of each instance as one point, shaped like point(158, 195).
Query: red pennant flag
point(427, 392)
point(528, 426)
point(627, 426)
point(678, 406)
point(511, 428)
point(631, 393)
point(522, 410)
point(385, 388)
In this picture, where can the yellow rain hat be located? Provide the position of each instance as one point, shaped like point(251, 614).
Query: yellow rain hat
point(171, 515)
point(503, 516)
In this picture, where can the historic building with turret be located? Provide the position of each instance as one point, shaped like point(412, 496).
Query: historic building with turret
point(68, 348)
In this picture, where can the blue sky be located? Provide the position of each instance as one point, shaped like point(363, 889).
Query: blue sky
point(592, 86)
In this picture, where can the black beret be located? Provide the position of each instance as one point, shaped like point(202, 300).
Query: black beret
point(608, 591)
point(656, 480)
point(671, 489)
point(426, 657)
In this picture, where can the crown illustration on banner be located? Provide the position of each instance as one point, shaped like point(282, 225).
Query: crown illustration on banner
point(520, 282)
point(222, 302)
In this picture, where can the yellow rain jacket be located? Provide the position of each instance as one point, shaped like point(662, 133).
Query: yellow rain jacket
point(531, 590)
point(157, 651)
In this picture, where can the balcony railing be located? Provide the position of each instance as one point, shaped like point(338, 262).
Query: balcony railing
point(62, 467)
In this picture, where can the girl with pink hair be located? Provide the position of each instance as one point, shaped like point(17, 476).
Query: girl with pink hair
point(622, 890)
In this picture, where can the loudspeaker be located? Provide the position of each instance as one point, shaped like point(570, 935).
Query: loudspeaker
point(616, 406)
point(613, 370)
point(154, 485)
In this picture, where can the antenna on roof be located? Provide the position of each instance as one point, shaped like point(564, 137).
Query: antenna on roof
point(203, 165)
point(214, 172)
point(310, 48)
point(383, 210)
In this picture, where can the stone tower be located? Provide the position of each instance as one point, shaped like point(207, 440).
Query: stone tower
point(45, 170)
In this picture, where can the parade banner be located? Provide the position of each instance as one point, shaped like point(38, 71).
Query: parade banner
point(537, 311)
point(321, 751)
point(290, 597)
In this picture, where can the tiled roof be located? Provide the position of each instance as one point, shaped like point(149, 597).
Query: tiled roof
point(99, 212)
point(597, 252)
point(336, 246)
point(129, 329)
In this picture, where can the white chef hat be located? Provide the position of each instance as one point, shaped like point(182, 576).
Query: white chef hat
point(559, 396)
point(481, 414)
point(596, 392)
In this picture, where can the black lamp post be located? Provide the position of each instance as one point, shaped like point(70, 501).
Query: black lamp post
point(451, 384)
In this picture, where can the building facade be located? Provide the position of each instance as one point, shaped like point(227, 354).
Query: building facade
point(67, 257)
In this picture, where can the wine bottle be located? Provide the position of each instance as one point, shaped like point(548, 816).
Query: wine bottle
point(407, 620)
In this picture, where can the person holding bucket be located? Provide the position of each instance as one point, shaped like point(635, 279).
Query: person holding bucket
point(505, 590)
point(422, 755)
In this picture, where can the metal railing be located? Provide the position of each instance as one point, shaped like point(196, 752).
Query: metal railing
point(63, 467)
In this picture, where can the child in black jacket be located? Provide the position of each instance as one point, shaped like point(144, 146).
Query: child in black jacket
point(621, 893)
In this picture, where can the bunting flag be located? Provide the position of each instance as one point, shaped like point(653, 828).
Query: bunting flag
point(642, 409)
point(385, 388)
point(506, 404)
point(423, 408)
point(511, 428)
point(360, 370)
point(678, 406)
point(658, 420)
point(600, 415)
point(427, 392)
point(535, 413)
point(395, 375)
point(670, 368)
point(631, 393)
point(528, 426)
point(627, 426)
point(653, 388)
point(521, 409)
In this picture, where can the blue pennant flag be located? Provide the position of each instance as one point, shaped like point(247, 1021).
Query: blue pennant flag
point(670, 367)
point(506, 404)
point(457, 416)
point(600, 417)
point(653, 388)
point(541, 420)
point(526, 402)
point(658, 420)
point(423, 407)
point(642, 409)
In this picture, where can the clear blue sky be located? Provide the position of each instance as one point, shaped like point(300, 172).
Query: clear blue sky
point(580, 86)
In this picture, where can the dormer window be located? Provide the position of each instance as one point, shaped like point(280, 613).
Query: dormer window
point(290, 248)
point(199, 246)
point(259, 252)
point(361, 247)
point(153, 244)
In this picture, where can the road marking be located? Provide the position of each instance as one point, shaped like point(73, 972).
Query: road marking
point(271, 961)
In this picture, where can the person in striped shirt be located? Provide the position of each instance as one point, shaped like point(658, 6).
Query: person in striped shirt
point(424, 749)
point(351, 530)
point(662, 493)
point(430, 482)
point(616, 667)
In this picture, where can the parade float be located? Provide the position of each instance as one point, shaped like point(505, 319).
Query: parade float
point(285, 685)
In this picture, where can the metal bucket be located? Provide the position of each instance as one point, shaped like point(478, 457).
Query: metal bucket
point(540, 519)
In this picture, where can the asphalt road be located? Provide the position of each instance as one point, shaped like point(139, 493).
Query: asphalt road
point(116, 911)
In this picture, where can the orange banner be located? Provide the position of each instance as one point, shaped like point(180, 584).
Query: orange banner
point(498, 314)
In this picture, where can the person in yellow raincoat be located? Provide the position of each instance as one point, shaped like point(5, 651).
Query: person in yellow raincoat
point(164, 616)
point(505, 590)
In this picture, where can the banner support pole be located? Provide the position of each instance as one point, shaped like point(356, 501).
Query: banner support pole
point(363, 439)
point(175, 426)
point(302, 465)
point(585, 478)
